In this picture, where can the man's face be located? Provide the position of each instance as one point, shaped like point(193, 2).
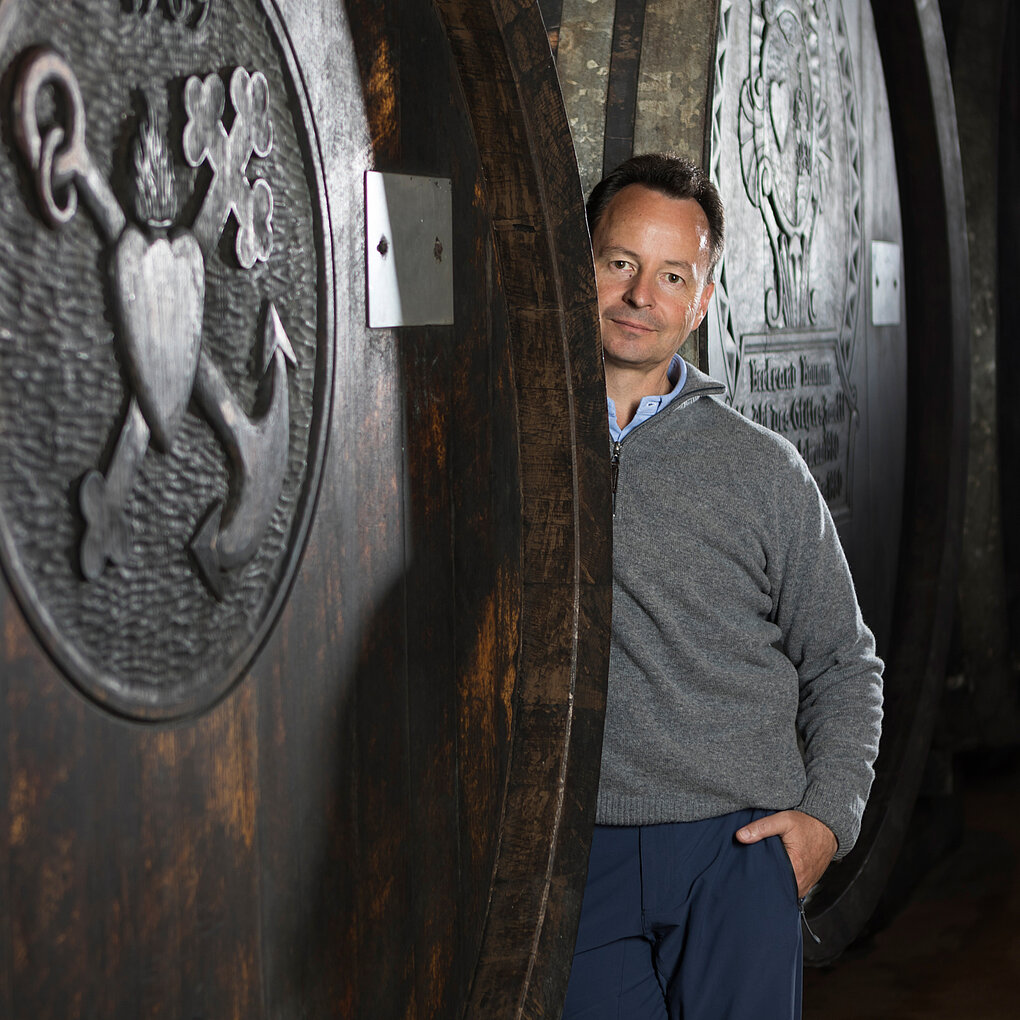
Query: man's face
point(651, 265)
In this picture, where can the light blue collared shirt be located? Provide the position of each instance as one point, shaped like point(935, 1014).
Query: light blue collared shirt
point(677, 373)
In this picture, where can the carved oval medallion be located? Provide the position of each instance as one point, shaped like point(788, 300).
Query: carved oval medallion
point(166, 349)
point(786, 156)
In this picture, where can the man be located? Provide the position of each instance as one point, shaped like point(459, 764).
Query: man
point(744, 699)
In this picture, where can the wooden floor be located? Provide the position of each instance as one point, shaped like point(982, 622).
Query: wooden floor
point(954, 951)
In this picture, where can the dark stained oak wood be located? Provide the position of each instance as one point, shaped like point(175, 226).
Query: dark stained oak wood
point(547, 810)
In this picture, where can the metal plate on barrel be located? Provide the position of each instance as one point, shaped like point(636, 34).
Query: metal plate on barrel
point(408, 250)
point(886, 291)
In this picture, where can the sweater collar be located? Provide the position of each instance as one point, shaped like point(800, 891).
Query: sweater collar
point(699, 384)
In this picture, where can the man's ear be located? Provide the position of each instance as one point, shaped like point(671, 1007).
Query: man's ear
point(706, 296)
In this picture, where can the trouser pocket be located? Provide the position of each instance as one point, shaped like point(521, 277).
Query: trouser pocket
point(785, 864)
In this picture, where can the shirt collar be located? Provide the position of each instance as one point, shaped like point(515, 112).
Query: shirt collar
point(652, 404)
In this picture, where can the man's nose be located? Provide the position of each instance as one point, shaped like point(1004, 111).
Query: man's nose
point(639, 291)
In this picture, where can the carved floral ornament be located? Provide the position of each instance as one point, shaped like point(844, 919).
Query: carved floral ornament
point(785, 148)
point(793, 115)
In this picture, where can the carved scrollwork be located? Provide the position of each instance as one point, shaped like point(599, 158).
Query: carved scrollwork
point(785, 148)
point(187, 12)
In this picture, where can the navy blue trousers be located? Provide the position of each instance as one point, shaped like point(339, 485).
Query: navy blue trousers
point(681, 920)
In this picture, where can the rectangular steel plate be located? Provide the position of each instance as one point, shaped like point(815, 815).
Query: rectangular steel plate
point(885, 284)
point(409, 250)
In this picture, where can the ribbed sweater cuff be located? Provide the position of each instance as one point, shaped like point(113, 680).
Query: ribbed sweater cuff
point(829, 806)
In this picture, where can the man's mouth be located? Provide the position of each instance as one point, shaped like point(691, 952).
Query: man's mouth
point(635, 325)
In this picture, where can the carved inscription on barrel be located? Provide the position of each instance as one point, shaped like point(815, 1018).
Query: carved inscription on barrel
point(166, 352)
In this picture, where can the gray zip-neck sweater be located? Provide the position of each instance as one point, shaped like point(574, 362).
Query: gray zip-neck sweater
point(736, 629)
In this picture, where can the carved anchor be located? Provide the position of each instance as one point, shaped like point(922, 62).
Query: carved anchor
point(159, 285)
point(229, 538)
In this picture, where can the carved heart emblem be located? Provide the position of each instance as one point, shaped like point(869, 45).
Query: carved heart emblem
point(780, 110)
point(160, 291)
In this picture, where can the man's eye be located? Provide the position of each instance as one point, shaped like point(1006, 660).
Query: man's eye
point(618, 264)
point(672, 278)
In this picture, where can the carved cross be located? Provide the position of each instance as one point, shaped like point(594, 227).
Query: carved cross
point(228, 153)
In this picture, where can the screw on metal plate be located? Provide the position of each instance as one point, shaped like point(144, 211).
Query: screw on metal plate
point(410, 276)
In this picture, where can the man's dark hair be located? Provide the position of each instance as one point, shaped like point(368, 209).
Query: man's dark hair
point(672, 175)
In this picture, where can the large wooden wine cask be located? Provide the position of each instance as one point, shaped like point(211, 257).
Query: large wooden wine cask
point(840, 311)
point(303, 512)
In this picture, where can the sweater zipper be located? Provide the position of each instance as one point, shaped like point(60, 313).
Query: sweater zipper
point(614, 466)
point(614, 460)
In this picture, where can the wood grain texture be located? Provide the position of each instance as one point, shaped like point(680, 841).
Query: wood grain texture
point(674, 99)
point(583, 54)
point(551, 11)
point(130, 855)
point(545, 267)
point(624, 64)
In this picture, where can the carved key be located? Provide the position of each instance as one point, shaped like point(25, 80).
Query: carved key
point(62, 165)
